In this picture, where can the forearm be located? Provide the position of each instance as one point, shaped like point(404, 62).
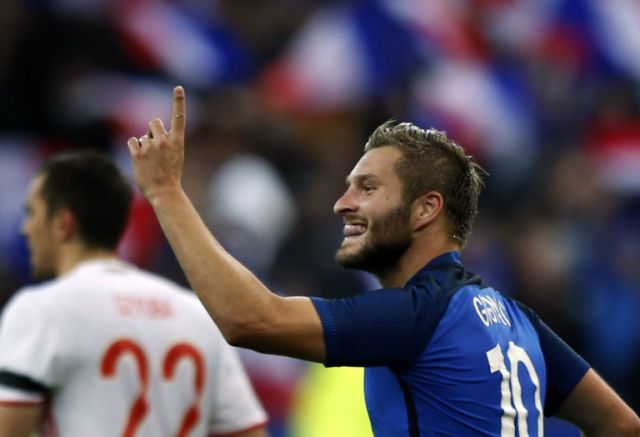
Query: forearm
point(614, 431)
point(230, 292)
point(244, 309)
point(19, 420)
point(598, 411)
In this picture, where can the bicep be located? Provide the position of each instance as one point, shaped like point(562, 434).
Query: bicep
point(565, 368)
point(388, 327)
point(19, 420)
point(596, 409)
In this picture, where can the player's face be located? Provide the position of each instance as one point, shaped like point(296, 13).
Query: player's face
point(38, 229)
point(377, 219)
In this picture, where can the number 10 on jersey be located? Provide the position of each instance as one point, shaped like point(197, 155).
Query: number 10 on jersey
point(511, 400)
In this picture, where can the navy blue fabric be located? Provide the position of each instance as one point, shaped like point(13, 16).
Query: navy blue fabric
point(448, 356)
point(400, 321)
point(565, 368)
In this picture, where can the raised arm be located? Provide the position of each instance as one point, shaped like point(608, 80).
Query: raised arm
point(247, 312)
point(598, 411)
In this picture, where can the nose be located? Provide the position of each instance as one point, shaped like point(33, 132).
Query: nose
point(344, 204)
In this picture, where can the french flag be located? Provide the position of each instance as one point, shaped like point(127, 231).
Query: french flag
point(344, 56)
point(613, 139)
point(616, 30)
point(174, 40)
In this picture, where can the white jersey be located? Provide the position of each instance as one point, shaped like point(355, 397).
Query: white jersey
point(116, 352)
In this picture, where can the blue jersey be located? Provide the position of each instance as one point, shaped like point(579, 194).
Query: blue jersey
point(448, 356)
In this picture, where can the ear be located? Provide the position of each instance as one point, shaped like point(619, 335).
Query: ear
point(426, 209)
point(64, 225)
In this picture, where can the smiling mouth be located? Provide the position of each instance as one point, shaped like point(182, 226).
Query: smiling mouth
point(354, 230)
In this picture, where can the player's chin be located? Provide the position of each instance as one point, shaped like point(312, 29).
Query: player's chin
point(348, 250)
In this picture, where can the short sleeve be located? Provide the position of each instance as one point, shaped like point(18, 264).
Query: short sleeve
point(565, 368)
point(235, 406)
point(29, 345)
point(387, 327)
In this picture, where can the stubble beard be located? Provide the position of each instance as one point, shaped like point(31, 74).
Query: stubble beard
point(389, 238)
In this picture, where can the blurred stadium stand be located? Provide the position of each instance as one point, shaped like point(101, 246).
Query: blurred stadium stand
point(282, 94)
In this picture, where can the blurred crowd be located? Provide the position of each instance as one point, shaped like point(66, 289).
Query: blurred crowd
point(281, 97)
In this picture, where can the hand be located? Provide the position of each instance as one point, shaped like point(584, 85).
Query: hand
point(158, 156)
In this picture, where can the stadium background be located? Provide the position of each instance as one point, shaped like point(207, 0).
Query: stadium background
point(281, 96)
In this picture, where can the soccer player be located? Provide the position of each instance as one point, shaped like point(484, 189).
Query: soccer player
point(105, 349)
point(445, 354)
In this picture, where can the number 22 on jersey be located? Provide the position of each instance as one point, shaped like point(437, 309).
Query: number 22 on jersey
point(140, 406)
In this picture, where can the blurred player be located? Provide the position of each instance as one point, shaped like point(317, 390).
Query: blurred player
point(105, 349)
point(445, 354)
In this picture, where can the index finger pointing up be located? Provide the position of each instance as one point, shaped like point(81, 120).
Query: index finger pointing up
point(179, 112)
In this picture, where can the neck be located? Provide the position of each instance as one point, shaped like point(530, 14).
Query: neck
point(419, 254)
point(74, 254)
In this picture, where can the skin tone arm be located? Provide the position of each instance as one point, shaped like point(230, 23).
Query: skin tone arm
point(598, 411)
point(19, 420)
point(246, 311)
point(23, 421)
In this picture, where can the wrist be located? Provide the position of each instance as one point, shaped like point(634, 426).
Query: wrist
point(166, 195)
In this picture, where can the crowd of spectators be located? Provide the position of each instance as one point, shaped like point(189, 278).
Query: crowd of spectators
point(281, 97)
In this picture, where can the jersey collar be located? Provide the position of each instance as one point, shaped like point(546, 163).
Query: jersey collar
point(439, 263)
point(98, 264)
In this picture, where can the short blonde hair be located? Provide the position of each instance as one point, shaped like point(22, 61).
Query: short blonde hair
point(433, 162)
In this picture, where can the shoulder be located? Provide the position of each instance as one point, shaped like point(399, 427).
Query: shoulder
point(180, 296)
point(28, 321)
point(154, 280)
point(528, 312)
point(120, 273)
point(381, 327)
point(28, 301)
